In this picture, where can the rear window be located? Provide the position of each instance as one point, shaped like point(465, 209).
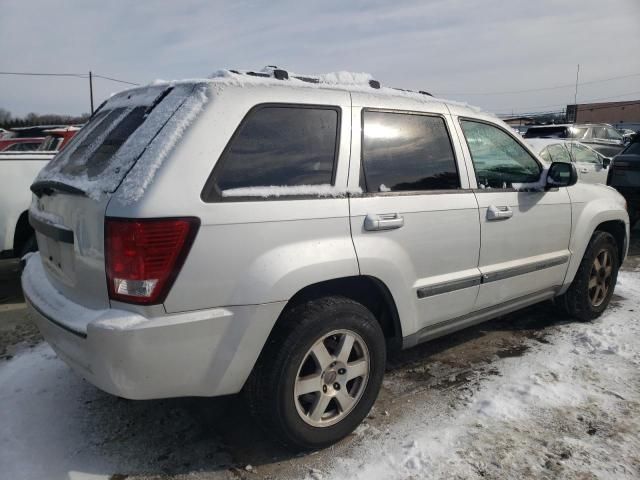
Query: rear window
point(107, 134)
point(22, 147)
point(407, 152)
point(124, 139)
point(279, 146)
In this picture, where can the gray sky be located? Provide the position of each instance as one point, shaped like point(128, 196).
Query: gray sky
point(453, 48)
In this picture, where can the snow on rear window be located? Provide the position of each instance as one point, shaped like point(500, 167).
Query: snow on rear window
point(123, 133)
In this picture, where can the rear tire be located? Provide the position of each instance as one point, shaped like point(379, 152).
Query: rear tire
point(319, 373)
point(592, 287)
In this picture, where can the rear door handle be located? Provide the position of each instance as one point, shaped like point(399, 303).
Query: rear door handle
point(383, 221)
point(499, 213)
point(584, 170)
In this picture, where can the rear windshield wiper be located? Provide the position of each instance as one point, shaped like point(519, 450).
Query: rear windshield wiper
point(48, 187)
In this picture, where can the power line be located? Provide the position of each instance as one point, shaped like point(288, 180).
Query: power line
point(557, 87)
point(531, 112)
point(76, 75)
point(591, 101)
point(115, 79)
point(40, 74)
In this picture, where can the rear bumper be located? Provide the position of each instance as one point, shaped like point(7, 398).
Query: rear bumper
point(201, 353)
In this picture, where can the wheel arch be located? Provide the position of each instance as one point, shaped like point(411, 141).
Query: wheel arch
point(588, 223)
point(618, 231)
point(22, 233)
point(367, 290)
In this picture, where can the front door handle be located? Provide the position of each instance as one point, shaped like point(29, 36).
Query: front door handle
point(499, 213)
point(383, 221)
point(584, 170)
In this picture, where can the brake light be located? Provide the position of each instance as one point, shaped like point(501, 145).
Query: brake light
point(143, 256)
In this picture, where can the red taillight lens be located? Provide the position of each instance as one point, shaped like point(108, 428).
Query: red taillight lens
point(143, 257)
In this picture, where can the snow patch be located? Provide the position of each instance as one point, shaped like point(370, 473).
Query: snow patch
point(544, 410)
point(324, 190)
point(141, 175)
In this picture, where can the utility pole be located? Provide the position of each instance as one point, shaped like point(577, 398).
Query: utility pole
point(575, 95)
point(91, 89)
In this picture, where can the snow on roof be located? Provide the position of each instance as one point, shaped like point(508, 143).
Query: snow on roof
point(342, 80)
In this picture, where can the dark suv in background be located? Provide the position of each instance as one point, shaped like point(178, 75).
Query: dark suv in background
point(624, 176)
point(600, 136)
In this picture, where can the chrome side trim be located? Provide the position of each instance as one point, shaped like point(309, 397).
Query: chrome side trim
point(524, 269)
point(446, 287)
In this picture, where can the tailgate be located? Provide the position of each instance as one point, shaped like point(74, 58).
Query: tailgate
point(72, 192)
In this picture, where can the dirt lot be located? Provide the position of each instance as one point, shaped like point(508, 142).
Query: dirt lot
point(213, 438)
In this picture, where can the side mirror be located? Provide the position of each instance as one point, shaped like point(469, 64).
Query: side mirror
point(561, 174)
point(606, 161)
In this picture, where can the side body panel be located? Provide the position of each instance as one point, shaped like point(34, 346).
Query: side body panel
point(249, 251)
point(528, 252)
point(430, 263)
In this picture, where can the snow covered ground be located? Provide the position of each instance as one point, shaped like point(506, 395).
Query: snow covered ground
point(563, 404)
point(567, 409)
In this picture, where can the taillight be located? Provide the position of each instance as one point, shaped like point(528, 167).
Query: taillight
point(143, 256)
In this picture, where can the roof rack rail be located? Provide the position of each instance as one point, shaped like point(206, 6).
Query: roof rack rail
point(273, 71)
point(422, 92)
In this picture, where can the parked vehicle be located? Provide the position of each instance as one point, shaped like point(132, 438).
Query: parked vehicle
point(600, 136)
point(57, 138)
point(275, 234)
point(624, 176)
point(627, 134)
point(591, 165)
point(29, 139)
point(17, 171)
point(17, 144)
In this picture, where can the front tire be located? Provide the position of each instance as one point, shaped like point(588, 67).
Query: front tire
point(592, 287)
point(319, 373)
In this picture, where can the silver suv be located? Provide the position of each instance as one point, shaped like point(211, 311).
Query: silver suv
point(275, 235)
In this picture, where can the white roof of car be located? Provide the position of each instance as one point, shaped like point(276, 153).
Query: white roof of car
point(538, 144)
point(344, 81)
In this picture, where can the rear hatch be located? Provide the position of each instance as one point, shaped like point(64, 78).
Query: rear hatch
point(73, 191)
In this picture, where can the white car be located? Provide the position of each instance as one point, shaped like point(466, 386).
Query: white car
point(591, 165)
point(275, 234)
point(17, 172)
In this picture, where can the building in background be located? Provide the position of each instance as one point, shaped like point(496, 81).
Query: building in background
point(619, 114)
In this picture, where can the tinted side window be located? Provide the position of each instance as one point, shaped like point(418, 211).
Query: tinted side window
point(405, 152)
point(497, 158)
point(544, 154)
point(583, 154)
point(559, 153)
point(281, 146)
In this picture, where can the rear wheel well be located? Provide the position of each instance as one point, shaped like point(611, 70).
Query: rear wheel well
point(369, 291)
point(23, 233)
point(618, 231)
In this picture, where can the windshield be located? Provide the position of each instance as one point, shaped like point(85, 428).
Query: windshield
point(633, 149)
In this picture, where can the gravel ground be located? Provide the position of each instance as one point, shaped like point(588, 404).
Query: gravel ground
point(98, 434)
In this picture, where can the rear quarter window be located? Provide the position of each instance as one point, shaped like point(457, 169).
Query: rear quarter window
point(407, 152)
point(278, 146)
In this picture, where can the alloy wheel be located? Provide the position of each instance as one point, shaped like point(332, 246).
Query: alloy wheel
point(331, 378)
point(600, 278)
